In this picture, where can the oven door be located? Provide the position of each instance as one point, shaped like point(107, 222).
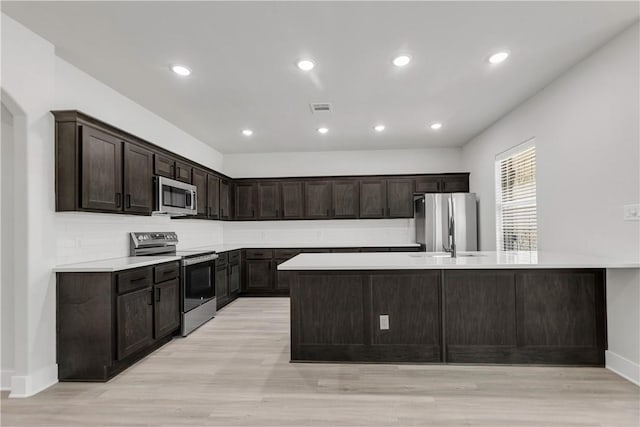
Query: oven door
point(198, 281)
point(175, 197)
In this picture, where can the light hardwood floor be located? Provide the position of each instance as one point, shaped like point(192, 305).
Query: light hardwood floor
point(235, 371)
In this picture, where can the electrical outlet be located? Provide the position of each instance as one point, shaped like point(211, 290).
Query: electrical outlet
point(384, 322)
point(632, 212)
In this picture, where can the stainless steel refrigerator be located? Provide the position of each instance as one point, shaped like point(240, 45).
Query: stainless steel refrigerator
point(445, 220)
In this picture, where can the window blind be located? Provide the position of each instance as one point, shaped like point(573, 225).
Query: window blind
point(516, 219)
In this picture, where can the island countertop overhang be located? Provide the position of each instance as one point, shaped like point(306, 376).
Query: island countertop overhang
point(464, 261)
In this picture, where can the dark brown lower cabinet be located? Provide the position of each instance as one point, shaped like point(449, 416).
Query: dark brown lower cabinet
point(259, 275)
point(134, 321)
point(222, 285)
point(228, 277)
point(525, 316)
point(166, 307)
point(549, 317)
point(107, 321)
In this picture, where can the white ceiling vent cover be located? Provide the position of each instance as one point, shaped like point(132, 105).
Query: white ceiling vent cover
point(321, 107)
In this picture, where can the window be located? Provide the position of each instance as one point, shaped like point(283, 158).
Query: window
point(516, 219)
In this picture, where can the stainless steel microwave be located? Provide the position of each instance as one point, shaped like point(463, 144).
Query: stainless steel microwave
point(174, 197)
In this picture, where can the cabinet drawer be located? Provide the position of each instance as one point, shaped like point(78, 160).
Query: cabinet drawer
point(316, 250)
point(234, 257)
point(222, 259)
point(345, 250)
point(259, 253)
point(131, 280)
point(286, 253)
point(165, 272)
point(428, 184)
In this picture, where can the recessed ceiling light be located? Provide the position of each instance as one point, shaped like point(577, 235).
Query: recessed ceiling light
point(247, 132)
point(401, 60)
point(499, 57)
point(323, 130)
point(181, 70)
point(436, 126)
point(378, 128)
point(306, 65)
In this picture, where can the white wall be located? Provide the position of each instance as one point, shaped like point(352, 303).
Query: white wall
point(39, 82)
point(354, 232)
point(586, 125)
point(6, 250)
point(434, 160)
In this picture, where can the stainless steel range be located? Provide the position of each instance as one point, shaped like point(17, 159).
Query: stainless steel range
point(197, 278)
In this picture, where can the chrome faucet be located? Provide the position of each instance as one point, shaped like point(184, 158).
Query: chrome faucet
point(452, 230)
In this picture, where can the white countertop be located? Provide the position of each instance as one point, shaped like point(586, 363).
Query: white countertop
point(432, 260)
point(234, 246)
point(113, 264)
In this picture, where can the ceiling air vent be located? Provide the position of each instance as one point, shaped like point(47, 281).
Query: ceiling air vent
point(320, 107)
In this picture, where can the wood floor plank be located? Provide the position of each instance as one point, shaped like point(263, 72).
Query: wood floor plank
point(235, 371)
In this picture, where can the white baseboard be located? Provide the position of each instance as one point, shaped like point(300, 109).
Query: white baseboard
point(624, 367)
point(28, 385)
point(5, 379)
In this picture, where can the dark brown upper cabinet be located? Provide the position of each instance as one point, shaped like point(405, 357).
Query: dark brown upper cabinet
point(101, 170)
point(446, 183)
point(246, 200)
point(199, 179)
point(225, 200)
point(345, 196)
point(213, 197)
point(269, 200)
point(292, 200)
point(400, 198)
point(373, 198)
point(317, 199)
point(183, 172)
point(164, 166)
point(138, 179)
point(169, 167)
point(455, 183)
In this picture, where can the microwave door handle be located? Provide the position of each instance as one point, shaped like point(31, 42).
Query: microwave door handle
point(194, 201)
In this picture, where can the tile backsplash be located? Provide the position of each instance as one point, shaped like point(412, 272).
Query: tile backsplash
point(87, 236)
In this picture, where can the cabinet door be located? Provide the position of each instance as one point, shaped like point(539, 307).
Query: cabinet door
point(135, 321)
point(183, 172)
point(292, 200)
point(246, 200)
point(400, 198)
point(138, 179)
point(200, 181)
point(225, 200)
point(101, 170)
point(268, 200)
point(428, 184)
point(213, 196)
point(317, 196)
point(559, 309)
point(222, 286)
point(164, 166)
point(345, 199)
point(259, 275)
point(234, 278)
point(166, 307)
point(373, 198)
point(480, 309)
point(455, 183)
point(412, 302)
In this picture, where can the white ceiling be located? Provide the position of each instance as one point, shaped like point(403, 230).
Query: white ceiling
point(243, 57)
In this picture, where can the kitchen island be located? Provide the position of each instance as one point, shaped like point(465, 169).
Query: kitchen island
point(481, 307)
